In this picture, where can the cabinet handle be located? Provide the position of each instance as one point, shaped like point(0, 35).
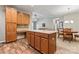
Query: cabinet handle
point(52, 38)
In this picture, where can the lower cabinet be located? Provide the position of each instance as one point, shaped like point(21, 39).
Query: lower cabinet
point(28, 37)
point(37, 42)
point(44, 43)
point(52, 45)
point(32, 40)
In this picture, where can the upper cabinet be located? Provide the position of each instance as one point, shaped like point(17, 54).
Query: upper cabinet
point(19, 20)
point(23, 18)
point(11, 15)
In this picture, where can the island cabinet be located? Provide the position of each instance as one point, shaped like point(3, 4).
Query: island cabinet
point(32, 40)
point(43, 42)
point(28, 37)
point(37, 41)
point(44, 45)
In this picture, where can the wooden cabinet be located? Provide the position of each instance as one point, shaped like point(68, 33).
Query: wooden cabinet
point(43, 42)
point(11, 15)
point(11, 36)
point(11, 27)
point(32, 39)
point(19, 18)
point(11, 21)
point(44, 45)
point(23, 18)
point(27, 19)
point(37, 42)
point(28, 37)
point(52, 42)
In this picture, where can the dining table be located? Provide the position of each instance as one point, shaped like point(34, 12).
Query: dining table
point(73, 33)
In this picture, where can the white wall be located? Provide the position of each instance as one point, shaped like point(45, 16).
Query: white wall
point(75, 18)
point(2, 24)
point(48, 22)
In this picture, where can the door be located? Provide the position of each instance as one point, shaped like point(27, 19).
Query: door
point(11, 27)
point(32, 40)
point(10, 32)
point(44, 45)
point(8, 14)
point(13, 15)
point(37, 42)
point(19, 18)
point(11, 21)
point(52, 45)
point(11, 36)
point(28, 37)
point(27, 18)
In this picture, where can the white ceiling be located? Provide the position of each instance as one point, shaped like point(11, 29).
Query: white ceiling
point(49, 10)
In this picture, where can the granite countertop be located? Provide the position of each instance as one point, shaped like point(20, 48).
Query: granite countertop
point(22, 30)
point(44, 31)
point(41, 31)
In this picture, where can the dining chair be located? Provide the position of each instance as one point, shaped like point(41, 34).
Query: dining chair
point(67, 34)
point(60, 32)
point(76, 36)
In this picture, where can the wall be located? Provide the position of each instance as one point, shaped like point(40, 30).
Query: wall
point(48, 22)
point(2, 24)
point(72, 16)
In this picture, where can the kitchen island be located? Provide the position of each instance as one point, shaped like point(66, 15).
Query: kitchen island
point(42, 40)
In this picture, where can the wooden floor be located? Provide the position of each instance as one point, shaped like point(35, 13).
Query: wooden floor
point(19, 47)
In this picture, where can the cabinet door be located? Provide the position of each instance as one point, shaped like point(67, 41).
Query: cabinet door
point(28, 37)
point(10, 32)
point(19, 15)
point(11, 14)
point(37, 42)
point(8, 14)
point(28, 19)
point(52, 45)
point(11, 36)
point(32, 40)
point(10, 27)
point(14, 15)
point(44, 45)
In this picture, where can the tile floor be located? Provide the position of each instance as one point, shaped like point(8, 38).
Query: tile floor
point(21, 47)
point(18, 47)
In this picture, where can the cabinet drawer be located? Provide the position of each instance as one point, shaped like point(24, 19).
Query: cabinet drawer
point(28, 32)
point(32, 33)
point(44, 35)
point(37, 34)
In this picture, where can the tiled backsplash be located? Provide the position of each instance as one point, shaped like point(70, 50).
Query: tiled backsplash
point(22, 26)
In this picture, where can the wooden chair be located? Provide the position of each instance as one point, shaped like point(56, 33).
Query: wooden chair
point(67, 34)
point(76, 36)
point(60, 32)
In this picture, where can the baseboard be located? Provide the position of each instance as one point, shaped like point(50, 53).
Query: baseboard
point(2, 41)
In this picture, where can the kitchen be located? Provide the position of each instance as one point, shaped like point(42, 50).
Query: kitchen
point(16, 23)
point(27, 29)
